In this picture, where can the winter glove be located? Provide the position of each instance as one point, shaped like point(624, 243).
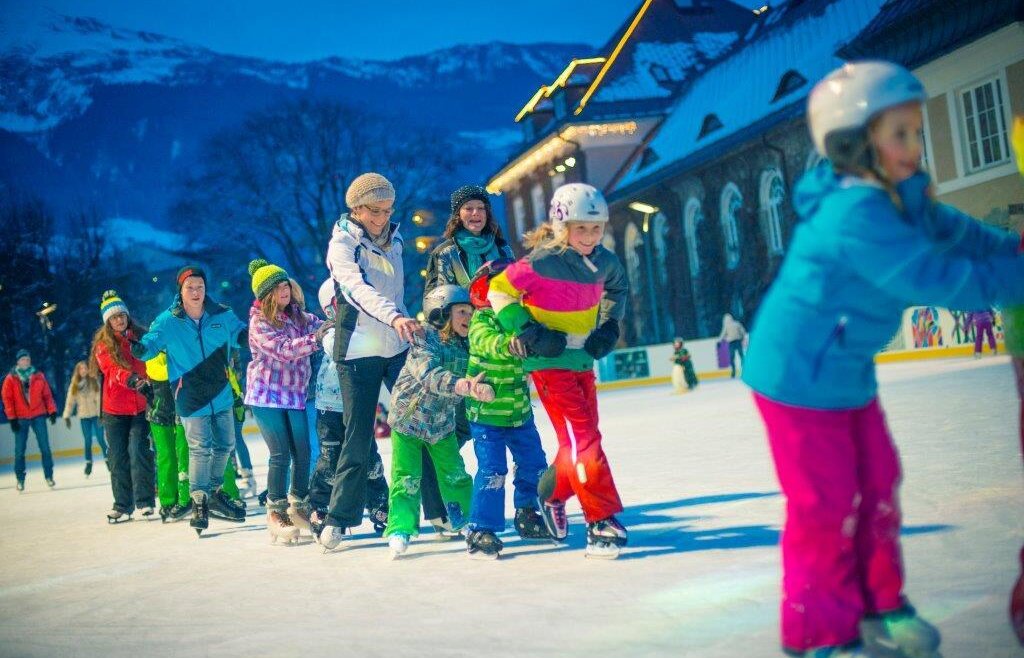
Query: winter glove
point(322, 330)
point(15, 425)
point(474, 388)
point(67, 423)
point(239, 410)
point(53, 418)
point(602, 340)
point(147, 391)
point(541, 341)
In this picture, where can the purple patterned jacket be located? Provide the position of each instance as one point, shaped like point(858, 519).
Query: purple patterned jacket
point(279, 371)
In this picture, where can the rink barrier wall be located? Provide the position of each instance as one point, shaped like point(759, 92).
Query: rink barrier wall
point(66, 442)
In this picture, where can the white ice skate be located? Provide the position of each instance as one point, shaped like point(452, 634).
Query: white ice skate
point(147, 513)
point(443, 530)
point(117, 516)
point(281, 527)
point(398, 545)
point(332, 537)
point(298, 512)
point(248, 489)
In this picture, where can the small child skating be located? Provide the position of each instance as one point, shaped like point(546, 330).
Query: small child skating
point(505, 423)
point(422, 416)
point(683, 376)
point(563, 301)
point(330, 432)
point(871, 242)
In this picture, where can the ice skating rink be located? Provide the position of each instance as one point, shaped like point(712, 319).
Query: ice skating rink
point(699, 578)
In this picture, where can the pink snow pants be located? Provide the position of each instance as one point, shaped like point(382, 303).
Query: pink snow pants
point(839, 472)
point(570, 398)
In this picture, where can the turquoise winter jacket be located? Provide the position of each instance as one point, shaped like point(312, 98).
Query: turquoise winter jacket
point(197, 355)
point(855, 263)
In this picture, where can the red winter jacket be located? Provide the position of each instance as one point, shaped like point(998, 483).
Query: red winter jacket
point(118, 398)
point(40, 398)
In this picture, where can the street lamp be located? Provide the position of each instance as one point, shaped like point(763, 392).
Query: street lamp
point(647, 210)
point(44, 313)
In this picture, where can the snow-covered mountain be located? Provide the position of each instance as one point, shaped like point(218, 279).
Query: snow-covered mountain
point(94, 113)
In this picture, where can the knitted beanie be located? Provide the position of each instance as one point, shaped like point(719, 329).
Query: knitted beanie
point(369, 188)
point(186, 272)
point(265, 277)
point(468, 193)
point(111, 305)
point(22, 353)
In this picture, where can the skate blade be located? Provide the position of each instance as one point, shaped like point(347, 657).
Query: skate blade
point(483, 557)
point(396, 555)
point(285, 541)
point(116, 521)
point(603, 552)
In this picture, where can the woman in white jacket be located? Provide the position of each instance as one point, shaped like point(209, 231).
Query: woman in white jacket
point(371, 337)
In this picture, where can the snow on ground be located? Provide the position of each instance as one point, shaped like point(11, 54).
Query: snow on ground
point(700, 577)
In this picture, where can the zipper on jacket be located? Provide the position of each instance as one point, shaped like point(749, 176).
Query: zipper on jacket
point(838, 334)
point(202, 348)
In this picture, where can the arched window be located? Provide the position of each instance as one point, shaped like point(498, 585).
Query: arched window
point(692, 217)
point(732, 201)
point(633, 244)
point(773, 192)
point(659, 233)
point(540, 214)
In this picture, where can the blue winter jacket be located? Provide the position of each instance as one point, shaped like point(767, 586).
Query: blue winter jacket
point(855, 263)
point(197, 355)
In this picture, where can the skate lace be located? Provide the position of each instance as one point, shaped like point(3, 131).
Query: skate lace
point(558, 512)
point(284, 520)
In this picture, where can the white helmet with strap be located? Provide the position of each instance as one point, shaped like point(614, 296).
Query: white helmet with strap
point(844, 102)
point(577, 202)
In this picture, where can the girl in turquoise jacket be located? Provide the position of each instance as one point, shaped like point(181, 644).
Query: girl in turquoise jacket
point(871, 242)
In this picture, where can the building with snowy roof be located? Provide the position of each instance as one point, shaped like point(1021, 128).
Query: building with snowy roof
point(593, 118)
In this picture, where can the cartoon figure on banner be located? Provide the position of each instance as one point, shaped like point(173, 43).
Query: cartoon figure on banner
point(926, 329)
point(962, 328)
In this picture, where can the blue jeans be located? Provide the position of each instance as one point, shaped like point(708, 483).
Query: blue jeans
point(489, 443)
point(91, 427)
point(210, 441)
point(38, 425)
point(287, 435)
point(241, 449)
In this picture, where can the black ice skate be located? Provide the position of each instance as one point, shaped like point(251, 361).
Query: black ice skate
point(605, 538)
point(200, 513)
point(530, 524)
point(483, 545)
point(379, 519)
point(88, 469)
point(225, 509)
point(117, 516)
point(317, 521)
point(176, 512)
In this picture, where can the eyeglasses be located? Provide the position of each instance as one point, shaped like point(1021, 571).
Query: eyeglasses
point(379, 212)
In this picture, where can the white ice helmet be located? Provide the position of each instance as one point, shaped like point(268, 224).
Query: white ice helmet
point(577, 202)
point(438, 302)
point(842, 104)
point(326, 294)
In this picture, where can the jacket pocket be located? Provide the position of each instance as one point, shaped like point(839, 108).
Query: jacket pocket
point(836, 336)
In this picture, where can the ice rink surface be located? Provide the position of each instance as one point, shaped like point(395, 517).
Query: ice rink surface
point(699, 578)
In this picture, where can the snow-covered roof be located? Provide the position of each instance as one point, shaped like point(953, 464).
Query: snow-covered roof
point(739, 90)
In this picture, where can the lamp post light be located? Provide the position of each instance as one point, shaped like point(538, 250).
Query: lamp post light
point(647, 210)
point(46, 324)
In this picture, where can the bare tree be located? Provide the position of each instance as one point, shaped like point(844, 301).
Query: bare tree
point(276, 184)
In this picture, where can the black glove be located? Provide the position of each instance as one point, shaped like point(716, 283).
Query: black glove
point(15, 425)
point(137, 348)
point(134, 381)
point(53, 419)
point(67, 423)
point(541, 341)
point(147, 391)
point(602, 340)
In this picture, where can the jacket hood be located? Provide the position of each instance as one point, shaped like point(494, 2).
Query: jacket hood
point(814, 186)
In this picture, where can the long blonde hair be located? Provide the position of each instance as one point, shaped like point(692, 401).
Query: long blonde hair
point(294, 310)
point(91, 378)
point(546, 237)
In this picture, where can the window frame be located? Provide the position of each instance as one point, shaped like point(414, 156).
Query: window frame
point(997, 78)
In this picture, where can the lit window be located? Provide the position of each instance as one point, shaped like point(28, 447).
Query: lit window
point(519, 214)
point(983, 120)
point(539, 207)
